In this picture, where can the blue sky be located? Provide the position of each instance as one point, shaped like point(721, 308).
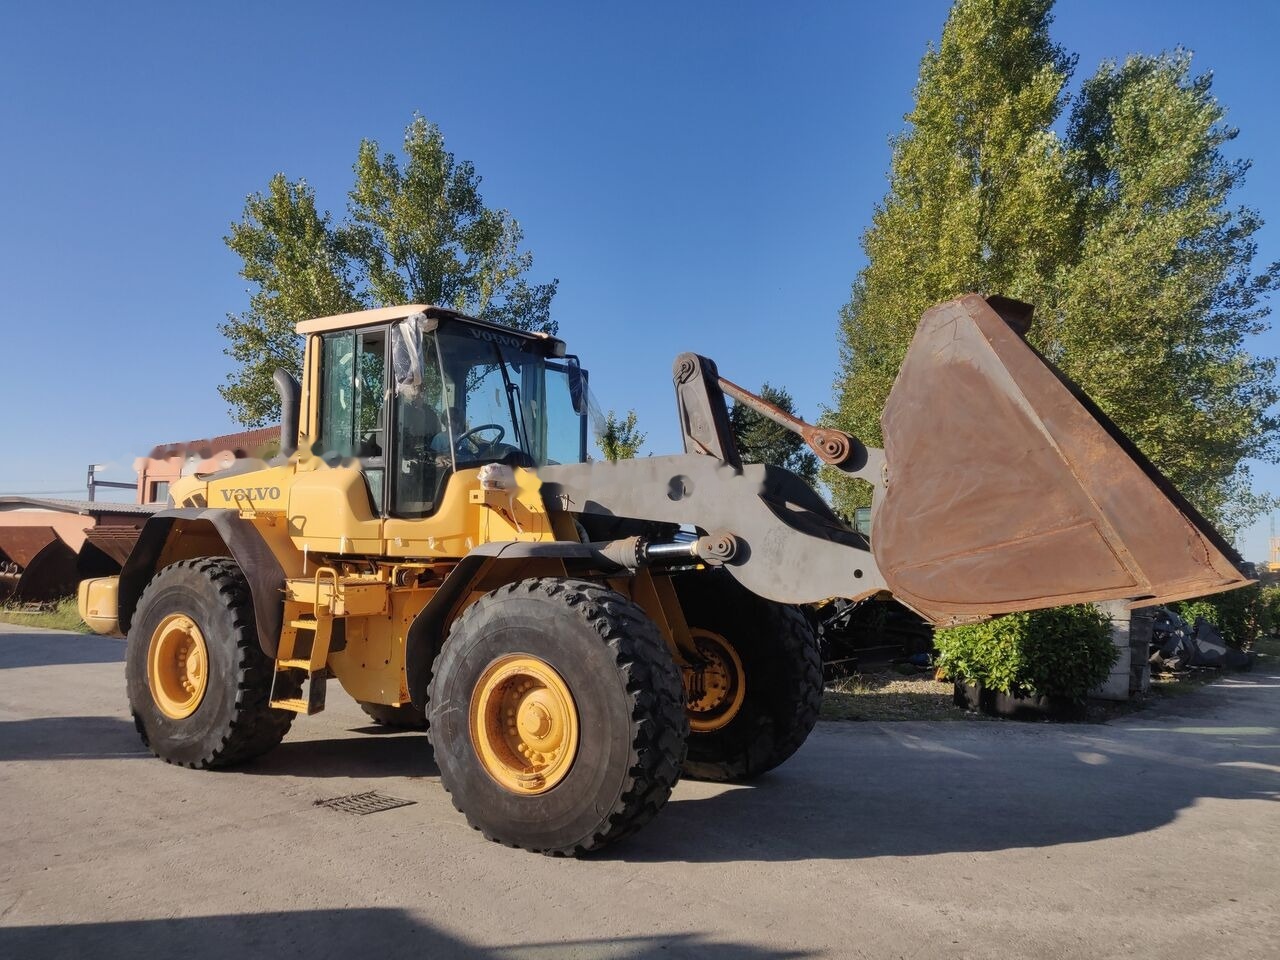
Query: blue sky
point(696, 175)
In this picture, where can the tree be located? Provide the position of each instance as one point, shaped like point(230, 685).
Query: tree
point(761, 440)
point(979, 199)
point(1120, 234)
point(619, 439)
point(299, 267)
point(422, 234)
point(1158, 303)
point(417, 231)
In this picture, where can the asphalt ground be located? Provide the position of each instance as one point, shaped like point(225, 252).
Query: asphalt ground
point(1154, 835)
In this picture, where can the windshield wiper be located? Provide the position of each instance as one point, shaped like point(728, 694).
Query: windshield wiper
point(514, 404)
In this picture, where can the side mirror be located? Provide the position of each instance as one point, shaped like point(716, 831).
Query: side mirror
point(577, 385)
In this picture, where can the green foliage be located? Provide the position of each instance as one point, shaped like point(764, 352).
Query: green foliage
point(979, 199)
point(1121, 234)
point(619, 439)
point(1270, 611)
point(1066, 651)
point(417, 231)
point(1157, 304)
point(422, 234)
point(1241, 616)
point(761, 440)
point(299, 267)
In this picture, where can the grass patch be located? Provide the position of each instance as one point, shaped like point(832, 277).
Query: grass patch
point(1183, 681)
point(883, 697)
point(60, 615)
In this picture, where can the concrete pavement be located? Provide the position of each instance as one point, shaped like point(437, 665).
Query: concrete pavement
point(1151, 836)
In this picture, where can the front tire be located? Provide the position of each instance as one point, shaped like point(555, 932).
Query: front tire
point(556, 714)
point(760, 690)
point(199, 684)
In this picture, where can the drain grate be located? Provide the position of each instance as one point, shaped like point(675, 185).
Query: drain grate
point(363, 804)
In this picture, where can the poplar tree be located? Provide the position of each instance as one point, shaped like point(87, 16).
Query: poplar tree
point(1155, 310)
point(1122, 234)
point(416, 231)
point(298, 266)
point(979, 199)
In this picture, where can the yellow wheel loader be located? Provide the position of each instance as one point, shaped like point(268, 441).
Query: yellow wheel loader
point(576, 635)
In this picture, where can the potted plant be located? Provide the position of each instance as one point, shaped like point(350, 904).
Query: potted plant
point(1029, 665)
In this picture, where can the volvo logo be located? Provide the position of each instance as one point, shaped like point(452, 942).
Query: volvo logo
point(251, 493)
point(493, 336)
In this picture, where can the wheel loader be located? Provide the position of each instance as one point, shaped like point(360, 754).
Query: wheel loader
point(576, 635)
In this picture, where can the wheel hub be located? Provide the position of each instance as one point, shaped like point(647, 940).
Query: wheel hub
point(524, 724)
point(177, 666)
point(716, 687)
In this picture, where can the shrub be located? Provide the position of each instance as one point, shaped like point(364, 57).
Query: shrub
point(1241, 616)
point(1066, 651)
point(1270, 611)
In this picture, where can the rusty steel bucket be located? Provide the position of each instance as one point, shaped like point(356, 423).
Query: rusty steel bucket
point(1006, 489)
point(36, 565)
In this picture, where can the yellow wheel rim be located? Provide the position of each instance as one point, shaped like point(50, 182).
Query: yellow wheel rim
point(524, 724)
point(714, 689)
point(177, 666)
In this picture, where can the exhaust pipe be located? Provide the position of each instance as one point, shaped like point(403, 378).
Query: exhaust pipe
point(289, 390)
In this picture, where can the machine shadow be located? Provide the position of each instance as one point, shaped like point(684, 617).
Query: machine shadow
point(377, 753)
point(392, 754)
point(846, 796)
point(340, 934)
point(51, 648)
point(70, 738)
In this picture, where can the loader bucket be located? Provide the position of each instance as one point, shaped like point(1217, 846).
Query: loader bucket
point(1007, 489)
point(35, 565)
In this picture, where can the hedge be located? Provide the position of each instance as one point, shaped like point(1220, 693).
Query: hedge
point(1066, 651)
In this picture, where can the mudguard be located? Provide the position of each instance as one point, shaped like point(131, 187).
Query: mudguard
point(261, 569)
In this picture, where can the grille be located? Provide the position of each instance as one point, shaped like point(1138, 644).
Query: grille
point(363, 804)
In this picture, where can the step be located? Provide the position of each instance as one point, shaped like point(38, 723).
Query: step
point(295, 704)
point(312, 699)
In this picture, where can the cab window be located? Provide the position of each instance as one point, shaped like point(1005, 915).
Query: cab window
point(424, 456)
point(352, 403)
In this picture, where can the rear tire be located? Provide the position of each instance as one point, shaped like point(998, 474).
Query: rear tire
point(586, 676)
point(404, 716)
point(781, 666)
point(231, 720)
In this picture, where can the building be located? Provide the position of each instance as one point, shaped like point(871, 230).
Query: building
point(168, 462)
point(48, 545)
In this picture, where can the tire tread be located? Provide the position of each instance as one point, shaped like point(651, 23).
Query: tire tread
point(652, 683)
point(256, 726)
point(799, 647)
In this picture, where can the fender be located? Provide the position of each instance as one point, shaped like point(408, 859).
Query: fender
point(243, 543)
point(427, 632)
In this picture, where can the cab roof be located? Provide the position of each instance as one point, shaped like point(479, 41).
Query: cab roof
point(382, 315)
point(368, 318)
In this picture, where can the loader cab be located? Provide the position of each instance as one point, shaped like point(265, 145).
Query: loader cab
point(414, 394)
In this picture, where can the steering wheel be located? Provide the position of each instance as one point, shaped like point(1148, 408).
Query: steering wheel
point(478, 445)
